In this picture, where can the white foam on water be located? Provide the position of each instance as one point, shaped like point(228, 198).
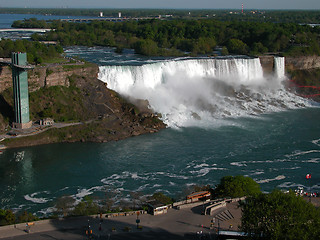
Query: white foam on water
point(19, 156)
point(238, 164)
point(257, 173)
point(290, 185)
point(291, 168)
point(47, 211)
point(32, 197)
point(301, 153)
point(85, 192)
point(313, 160)
point(204, 171)
point(201, 92)
point(142, 187)
point(172, 175)
point(280, 177)
point(201, 165)
point(111, 182)
point(316, 142)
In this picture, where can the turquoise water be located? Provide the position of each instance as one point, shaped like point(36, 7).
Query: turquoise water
point(277, 150)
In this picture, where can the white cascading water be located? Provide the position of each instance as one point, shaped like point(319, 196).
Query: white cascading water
point(200, 92)
point(279, 67)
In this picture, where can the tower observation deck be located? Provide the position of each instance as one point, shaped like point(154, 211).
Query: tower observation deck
point(20, 90)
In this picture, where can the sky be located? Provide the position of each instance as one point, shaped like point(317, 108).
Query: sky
point(196, 4)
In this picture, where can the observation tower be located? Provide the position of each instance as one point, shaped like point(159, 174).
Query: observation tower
point(20, 90)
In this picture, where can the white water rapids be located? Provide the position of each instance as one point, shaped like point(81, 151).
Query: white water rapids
point(201, 92)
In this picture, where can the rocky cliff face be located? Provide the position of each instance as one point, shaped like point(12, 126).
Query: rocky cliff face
point(5, 78)
point(47, 76)
point(267, 63)
point(292, 63)
point(302, 63)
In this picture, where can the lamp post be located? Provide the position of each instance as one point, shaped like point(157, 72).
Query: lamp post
point(218, 228)
point(138, 220)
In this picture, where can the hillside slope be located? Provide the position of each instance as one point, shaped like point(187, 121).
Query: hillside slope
point(105, 115)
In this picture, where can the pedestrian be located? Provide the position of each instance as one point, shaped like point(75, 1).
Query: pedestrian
point(101, 220)
point(27, 228)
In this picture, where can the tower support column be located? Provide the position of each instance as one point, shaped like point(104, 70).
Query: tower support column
point(20, 91)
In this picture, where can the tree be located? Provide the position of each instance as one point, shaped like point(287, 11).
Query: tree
point(237, 46)
point(27, 217)
point(64, 205)
point(279, 216)
point(237, 186)
point(86, 207)
point(224, 51)
point(7, 217)
point(135, 197)
point(258, 48)
point(160, 197)
point(146, 47)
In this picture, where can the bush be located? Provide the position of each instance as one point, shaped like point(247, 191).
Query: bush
point(146, 47)
point(237, 186)
point(160, 197)
point(27, 217)
point(279, 215)
point(237, 46)
point(86, 207)
point(7, 217)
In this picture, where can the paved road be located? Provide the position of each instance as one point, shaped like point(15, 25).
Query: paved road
point(176, 224)
point(37, 129)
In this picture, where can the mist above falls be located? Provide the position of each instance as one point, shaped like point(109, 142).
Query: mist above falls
point(204, 92)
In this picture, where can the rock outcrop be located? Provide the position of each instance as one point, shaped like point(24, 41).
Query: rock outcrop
point(47, 76)
point(106, 116)
point(267, 63)
point(292, 63)
point(302, 63)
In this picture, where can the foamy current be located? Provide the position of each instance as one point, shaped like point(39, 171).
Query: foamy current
point(200, 92)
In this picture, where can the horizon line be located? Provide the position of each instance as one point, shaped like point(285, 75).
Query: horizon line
point(134, 8)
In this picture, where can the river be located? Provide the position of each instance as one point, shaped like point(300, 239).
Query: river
point(227, 124)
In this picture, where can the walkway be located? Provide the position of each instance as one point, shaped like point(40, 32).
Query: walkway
point(176, 224)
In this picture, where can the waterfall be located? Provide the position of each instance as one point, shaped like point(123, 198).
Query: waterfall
point(202, 92)
point(279, 67)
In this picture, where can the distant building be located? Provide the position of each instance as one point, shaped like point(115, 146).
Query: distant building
point(119, 14)
point(199, 196)
point(101, 14)
point(156, 208)
point(20, 90)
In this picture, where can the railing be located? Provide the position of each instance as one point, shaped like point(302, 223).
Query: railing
point(119, 214)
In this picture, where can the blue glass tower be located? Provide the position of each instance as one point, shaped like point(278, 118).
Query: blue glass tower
point(20, 90)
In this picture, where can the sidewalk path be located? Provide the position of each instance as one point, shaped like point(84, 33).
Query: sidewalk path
point(176, 224)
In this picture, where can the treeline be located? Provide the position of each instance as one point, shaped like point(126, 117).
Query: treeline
point(272, 16)
point(283, 16)
point(7, 217)
point(177, 37)
point(37, 52)
point(31, 23)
